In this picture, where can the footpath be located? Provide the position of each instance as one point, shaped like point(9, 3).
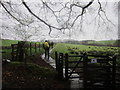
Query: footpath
point(75, 83)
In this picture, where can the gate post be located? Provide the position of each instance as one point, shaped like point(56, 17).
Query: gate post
point(66, 66)
point(30, 49)
point(56, 60)
point(114, 73)
point(60, 64)
point(21, 50)
point(39, 46)
point(85, 57)
point(35, 48)
point(12, 45)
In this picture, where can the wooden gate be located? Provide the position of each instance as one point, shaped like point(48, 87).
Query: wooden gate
point(71, 67)
point(99, 72)
point(95, 71)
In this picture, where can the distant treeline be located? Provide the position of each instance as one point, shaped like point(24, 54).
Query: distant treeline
point(111, 43)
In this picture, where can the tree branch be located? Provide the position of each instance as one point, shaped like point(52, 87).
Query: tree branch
point(83, 10)
point(11, 14)
point(100, 9)
point(49, 26)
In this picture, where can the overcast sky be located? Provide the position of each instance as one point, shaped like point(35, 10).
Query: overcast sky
point(89, 31)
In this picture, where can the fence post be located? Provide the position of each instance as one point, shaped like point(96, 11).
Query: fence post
point(66, 66)
point(39, 46)
point(35, 48)
point(60, 64)
point(114, 73)
point(21, 52)
point(85, 57)
point(25, 52)
point(17, 52)
point(30, 49)
point(56, 60)
point(12, 45)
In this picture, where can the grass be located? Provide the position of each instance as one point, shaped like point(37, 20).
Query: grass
point(40, 71)
point(73, 49)
point(67, 48)
point(107, 42)
point(6, 53)
point(34, 69)
point(8, 42)
point(19, 75)
point(38, 51)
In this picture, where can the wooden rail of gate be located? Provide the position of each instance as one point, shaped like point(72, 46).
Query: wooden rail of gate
point(104, 69)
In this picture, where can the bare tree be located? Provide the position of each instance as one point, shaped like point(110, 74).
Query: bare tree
point(22, 28)
point(60, 16)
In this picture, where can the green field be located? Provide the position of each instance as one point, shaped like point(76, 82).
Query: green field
point(6, 53)
point(8, 42)
point(68, 48)
point(106, 42)
point(73, 49)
